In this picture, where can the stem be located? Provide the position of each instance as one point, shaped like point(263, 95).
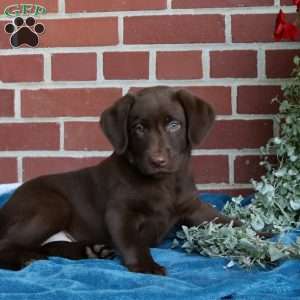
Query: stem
point(281, 209)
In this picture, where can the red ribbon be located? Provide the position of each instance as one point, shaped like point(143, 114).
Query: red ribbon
point(297, 2)
point(283, 29)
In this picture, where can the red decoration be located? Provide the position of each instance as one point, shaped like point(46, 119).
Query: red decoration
point(297, 2)
point(283, 29)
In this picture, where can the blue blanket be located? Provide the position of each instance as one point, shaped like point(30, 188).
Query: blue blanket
point(190, 276)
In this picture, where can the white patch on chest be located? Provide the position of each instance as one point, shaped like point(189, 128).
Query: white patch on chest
point(61, 236)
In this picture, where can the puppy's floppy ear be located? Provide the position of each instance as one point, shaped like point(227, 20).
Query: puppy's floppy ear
point(114, 123)
point(199, 115)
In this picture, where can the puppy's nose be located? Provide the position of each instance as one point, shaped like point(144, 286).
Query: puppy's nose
point(158, 161)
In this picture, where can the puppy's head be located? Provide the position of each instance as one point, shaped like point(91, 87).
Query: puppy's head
point(156, 128)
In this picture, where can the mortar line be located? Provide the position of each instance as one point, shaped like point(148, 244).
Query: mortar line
point(234, 95)
point(223, 186)
point(165, 12)
point(92, 119)
point(157, 47)
point(152, 65)
point(277, 3)
point(206, 64)
point(20, 169)
point(142, 83)
point(100, 71)
point(105, 153)
point(231, 159)
point(61, 7)
point(228, 30)
point(47, 67)
point(62, 135)
point(17, 106)
point(121, 30)
point(261, 64)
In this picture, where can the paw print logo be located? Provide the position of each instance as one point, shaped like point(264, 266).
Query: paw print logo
point(24, 33)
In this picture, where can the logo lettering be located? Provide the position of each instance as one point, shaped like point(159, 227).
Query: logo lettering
point(15, 10)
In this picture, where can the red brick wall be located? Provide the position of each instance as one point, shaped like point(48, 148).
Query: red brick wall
point(94, 51)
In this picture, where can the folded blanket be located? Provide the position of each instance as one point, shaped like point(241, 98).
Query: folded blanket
point(190, 276)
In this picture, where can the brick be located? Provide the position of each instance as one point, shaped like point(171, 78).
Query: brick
point(208, 169)
point(233, 64)
point(113, 5)
point(21, 68)
point(74, 66)
point(238, 134)
point(244, 28)
point(257, 99)
point(7, 103)
point(73, 32)
point(4, 37)
point(286, 2)
point(29, 136)
point(174, 29)
point(85, 136)
point(8, 167)
point(279, 63)
point(126, 65)
point(67, 102)
point(247, 168)
point(219, 3)
point(179, 65)
point(80, 32)
point(218, 96)
point(50, 5)
point(37, 166)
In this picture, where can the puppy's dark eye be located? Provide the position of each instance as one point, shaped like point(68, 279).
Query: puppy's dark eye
point(173, 126)
point(139, 129)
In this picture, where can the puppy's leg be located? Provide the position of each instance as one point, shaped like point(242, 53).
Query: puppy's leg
point(77, 250)
point(134, 248)
point(196, 212)
point(15, 257)
point(27, 222)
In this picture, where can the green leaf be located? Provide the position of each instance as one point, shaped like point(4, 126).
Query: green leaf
point(275, 253)
point(296, 60)
point(295, 204)
point(280, 172)
point(230, 264)
point(175, 243)
point(257, 223)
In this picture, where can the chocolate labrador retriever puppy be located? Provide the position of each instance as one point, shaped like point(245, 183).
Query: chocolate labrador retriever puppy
point(130, 201)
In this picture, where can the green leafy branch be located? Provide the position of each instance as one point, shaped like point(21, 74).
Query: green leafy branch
point(240, 244)
point(276, 204)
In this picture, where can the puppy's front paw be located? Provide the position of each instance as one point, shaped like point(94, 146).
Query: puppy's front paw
point(99, 251)
point(149, 268)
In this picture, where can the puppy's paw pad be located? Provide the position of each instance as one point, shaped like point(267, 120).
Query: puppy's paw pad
point(99, 251)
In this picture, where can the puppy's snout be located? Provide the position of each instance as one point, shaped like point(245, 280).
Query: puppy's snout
point(158, 161)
